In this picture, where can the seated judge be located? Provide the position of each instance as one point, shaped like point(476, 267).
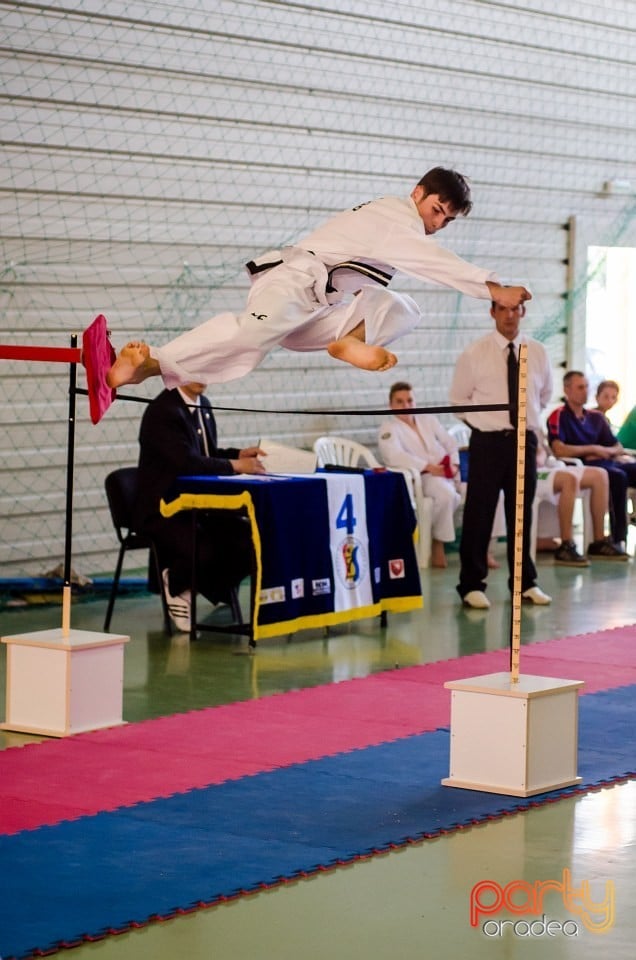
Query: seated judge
point(420, 441)
point(178, 436)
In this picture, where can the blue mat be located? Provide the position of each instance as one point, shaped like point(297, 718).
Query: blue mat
point(84, 879)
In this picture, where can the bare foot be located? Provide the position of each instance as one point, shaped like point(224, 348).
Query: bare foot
point(133, 365)
point(491, 562)
point(438, 556)
point(366, 356)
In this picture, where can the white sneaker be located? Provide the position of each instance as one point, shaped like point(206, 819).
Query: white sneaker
point(537, 596)
point(178, 607)
point(476, 599)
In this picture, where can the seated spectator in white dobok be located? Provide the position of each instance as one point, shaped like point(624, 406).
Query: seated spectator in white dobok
point(420, 441)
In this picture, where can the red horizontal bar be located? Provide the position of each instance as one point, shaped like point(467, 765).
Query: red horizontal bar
point(47, 354)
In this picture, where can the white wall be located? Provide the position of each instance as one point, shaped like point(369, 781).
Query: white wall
point(150, 148)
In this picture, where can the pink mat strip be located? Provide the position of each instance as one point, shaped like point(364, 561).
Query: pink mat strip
point(64, 779)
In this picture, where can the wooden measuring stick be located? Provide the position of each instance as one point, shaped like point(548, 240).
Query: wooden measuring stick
point(515, 624)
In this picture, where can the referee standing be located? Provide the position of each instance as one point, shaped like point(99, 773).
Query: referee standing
point(487, 373)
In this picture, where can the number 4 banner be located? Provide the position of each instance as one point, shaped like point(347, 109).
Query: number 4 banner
point(349, 541)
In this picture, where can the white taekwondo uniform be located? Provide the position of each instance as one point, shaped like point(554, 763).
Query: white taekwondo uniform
point(401, 445)
point(302, 297)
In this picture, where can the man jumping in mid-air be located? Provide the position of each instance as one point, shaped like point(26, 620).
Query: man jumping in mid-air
point(329, 292)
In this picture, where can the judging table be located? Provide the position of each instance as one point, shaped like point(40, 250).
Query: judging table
point(329, 547)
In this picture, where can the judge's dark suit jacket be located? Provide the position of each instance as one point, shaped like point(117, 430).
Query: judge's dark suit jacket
point(169, 445)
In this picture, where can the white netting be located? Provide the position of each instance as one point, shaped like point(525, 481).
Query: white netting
point(150, 149)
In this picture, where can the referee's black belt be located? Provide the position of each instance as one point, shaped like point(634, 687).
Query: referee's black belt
point(508, 432)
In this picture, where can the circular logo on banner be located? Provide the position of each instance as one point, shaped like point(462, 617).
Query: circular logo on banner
point(351, 562)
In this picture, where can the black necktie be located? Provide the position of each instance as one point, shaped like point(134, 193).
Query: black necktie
point(513, 384)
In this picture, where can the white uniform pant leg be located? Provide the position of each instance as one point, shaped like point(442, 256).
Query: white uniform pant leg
point(230, 345)
point(386, 315)
point(445, 501)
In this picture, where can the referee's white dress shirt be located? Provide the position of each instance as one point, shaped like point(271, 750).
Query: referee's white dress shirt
point(481, 376)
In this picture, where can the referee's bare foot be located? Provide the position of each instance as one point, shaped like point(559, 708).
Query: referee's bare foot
point(366, 356)
point(133, 365)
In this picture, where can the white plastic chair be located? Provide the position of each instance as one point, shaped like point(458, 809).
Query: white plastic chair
point(460, 433)
point(344, 453)
point(349, 453)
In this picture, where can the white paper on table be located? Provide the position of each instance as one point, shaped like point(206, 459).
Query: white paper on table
point(283, 459)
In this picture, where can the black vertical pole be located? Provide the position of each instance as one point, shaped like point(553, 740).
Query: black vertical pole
point(68, 525)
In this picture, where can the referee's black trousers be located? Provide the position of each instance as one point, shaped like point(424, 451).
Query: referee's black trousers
point(492, 467)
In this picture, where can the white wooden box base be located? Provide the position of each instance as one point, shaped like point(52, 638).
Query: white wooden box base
point(58, 685)
point(513, 738)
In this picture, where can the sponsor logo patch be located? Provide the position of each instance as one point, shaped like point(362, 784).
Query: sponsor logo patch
point(350, 562)
point(320, 587)
point(272, 595)
point(396, 569)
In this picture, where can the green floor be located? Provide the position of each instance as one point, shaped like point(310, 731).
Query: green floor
point(413, 903)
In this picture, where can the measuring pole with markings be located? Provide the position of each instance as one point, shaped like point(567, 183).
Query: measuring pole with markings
point(510, 733)
point(520, 484)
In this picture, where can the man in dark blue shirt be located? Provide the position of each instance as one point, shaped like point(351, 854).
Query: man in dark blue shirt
point(574, 431)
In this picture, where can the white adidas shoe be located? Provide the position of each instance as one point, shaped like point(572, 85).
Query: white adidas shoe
point(476, 599)
point(537, 596)
point(178, 607)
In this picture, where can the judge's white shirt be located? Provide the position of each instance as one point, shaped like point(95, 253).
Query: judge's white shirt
point(481, 376)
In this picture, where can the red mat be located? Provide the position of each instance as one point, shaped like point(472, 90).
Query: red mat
point(64, 779)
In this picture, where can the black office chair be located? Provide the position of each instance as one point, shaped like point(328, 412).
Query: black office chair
point(121, 491)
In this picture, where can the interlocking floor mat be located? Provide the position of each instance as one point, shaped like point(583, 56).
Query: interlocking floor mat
point(84, 878)
point(62, 779)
